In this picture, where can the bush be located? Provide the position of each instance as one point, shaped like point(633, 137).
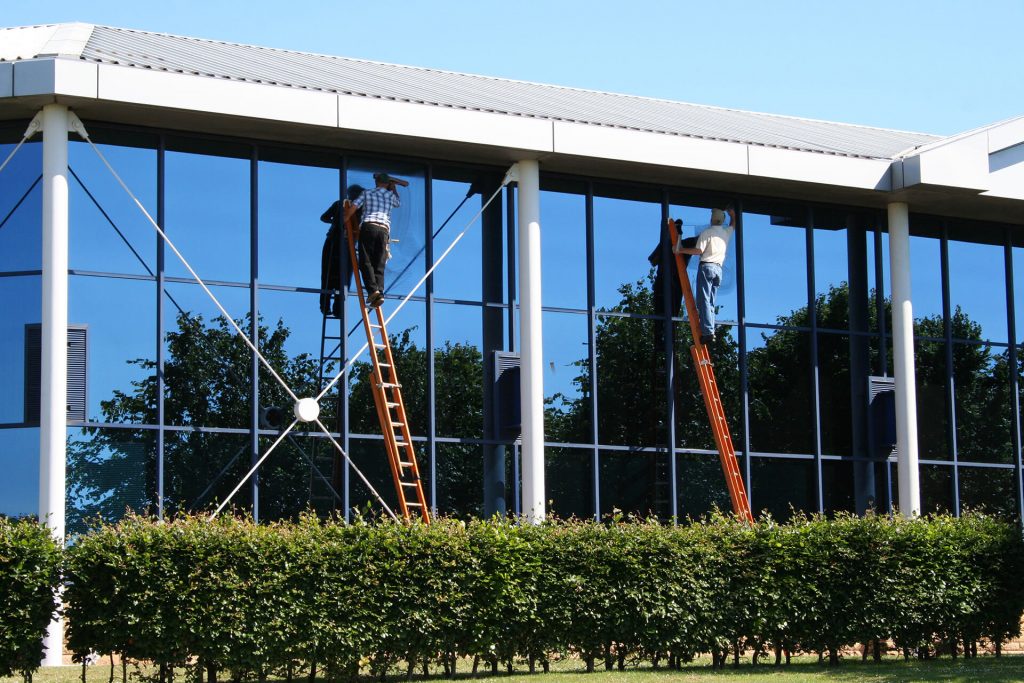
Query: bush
point(324, 597)
point(29, 576)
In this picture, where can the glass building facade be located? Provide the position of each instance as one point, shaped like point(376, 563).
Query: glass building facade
point(177, 408)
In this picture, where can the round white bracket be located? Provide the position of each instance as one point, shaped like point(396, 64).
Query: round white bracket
point(307, 409)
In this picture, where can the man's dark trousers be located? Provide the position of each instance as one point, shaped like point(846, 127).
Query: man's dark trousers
point(373, 255)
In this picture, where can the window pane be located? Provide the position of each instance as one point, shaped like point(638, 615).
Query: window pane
point(834, 392)
point(569, 475)
point(781, 402)
point(370, 457)
point(926, 280)
point(630, 383)
point(22, 298)
point(461, 276)
point(21, 237)
point(780, 484)
point(460, 479)
point(932, 421)
point(837, 481)
point(936, 488)
point(700, 486)
point(635, 483)
point(625, 234)
point(408, 225)
point(987, 489)
point(122, 346)
point(983, 407)
point(458, 371)
point(692, 427)
point(207, 215)
point(977, 287)
point(288, 479)
point(775, 251)
point(108, 232)
point(109, 471)
point(291, 235)
point(201, 469)
point(19, 458)
point(207, 366)
point(567, 378)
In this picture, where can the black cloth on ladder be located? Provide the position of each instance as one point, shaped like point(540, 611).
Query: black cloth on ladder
point(675, 288)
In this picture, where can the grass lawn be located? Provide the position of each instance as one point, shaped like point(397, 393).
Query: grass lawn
point(1006, 669)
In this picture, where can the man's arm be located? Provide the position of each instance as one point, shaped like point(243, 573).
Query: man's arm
point(732, 217)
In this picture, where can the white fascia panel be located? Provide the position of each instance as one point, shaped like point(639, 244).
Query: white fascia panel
point(642, 147)
point(443, 123)
point(960, 164)
point(814, 167)
point(1006, 176)
point(6, 79)
point(1006, 135)
point(216, 95)
point(54, 76)
point(24, 42)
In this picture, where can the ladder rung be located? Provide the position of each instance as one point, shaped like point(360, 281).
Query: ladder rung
point(390, 385)
point(413, 484)
point(413, 505)
point(379, 346)
point(391, 404)
point(384, 365)
point(397, 424)
point(404, 464)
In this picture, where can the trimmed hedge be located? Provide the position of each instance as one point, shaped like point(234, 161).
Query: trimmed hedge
point(334, 599)
point(29, 575)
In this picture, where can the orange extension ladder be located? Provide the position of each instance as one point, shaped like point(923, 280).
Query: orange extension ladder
point(387, 395)
point(712, 399)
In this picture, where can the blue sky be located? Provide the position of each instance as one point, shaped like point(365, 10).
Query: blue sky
point(935, 66)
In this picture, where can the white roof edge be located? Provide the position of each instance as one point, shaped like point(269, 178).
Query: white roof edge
point(920, 149)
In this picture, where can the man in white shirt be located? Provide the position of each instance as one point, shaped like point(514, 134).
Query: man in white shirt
point(711, 245)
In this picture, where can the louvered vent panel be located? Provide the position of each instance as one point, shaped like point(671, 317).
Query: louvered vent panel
point(78, 373)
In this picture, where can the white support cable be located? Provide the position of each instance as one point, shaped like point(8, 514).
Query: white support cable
point(80, 129)
point(510, 176)
point(341, 450)
point(34, 126)
point(255, 467)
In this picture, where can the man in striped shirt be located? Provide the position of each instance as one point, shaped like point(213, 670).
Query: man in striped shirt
point(375, 231)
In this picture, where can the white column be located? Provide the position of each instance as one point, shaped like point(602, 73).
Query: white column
point(531, 342)
point(903, 359)
point(54, 379)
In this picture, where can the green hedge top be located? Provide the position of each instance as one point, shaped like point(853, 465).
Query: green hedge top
point(258, 598)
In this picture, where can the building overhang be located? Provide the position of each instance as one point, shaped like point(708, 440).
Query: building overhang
point(978, 175)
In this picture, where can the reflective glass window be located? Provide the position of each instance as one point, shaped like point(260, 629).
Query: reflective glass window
point(631, 397)
point(21, 209)
point(201, 469)
point(370, 457)
point(926, 279)
point(932, 418)
point(108, 232)
point(834, 392)
point(408, 224)
point(22, 298)
point(460, 479)
point(635, 483)
point(700, 486)
point(775, 265)
point(19, 458)
point(837, 482)
point(293, 196)
point(460, 277)
point(936, 483)
point(208, 215)
point(563, 241)
point(977, 288)
point(988, 489)
point(780, 386)
point(983, 409)
point(108, 472)
point(626, 233)
point(120, 315)
point(567, 385)
point(569, 482)
point(781, 485)
point(207, 366)
point(458, 371)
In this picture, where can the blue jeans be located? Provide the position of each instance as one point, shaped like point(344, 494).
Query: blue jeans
point(709, 277)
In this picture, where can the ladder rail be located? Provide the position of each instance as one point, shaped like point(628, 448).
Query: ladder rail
point(709, 390)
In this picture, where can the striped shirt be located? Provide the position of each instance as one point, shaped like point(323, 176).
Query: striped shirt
point(377, 204)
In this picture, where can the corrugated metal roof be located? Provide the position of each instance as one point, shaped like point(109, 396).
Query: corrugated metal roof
point(481, 93)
